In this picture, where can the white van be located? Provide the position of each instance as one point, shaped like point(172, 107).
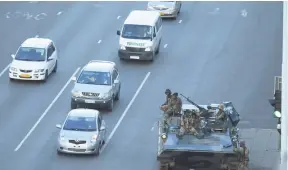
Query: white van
point(141, 35)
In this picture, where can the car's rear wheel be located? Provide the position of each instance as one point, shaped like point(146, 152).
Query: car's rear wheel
point(97, 153)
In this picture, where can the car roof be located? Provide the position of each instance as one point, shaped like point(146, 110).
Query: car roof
point(100, 65)
point(84, 112)
point(36, 42)
point(142, 17)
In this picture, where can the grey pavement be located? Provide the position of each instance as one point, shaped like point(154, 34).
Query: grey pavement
point(263, 147)
point(220, 51)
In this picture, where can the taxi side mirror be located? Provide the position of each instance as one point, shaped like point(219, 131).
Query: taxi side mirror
point(118, 32)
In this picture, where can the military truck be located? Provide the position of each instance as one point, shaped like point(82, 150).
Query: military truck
point(212, 148)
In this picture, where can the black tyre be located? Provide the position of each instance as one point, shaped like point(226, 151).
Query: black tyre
point(111, 105)
point(117, 97)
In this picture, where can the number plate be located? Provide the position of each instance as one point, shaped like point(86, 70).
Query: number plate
point(134, 57)
point(162, 13)
point(25, 75)
point(89, 101)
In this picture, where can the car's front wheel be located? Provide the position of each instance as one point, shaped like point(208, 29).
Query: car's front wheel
point(111, 105)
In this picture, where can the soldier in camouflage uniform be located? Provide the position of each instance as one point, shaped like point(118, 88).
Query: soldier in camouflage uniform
point(243, 156)
point(174, 106)
point(221, 116)
point(168, 94)
point(189, 123)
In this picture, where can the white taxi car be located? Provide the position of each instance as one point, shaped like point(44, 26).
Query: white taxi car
point(35, 59)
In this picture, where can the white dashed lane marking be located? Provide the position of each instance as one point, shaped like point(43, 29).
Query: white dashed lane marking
point(119, 17)
point(165, 46)
point(180, 21)
point(99, 41)
point(59, 13)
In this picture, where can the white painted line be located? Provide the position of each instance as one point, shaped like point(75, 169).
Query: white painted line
point(125, 111)
point(180, 21)
point(59, 13)
point(4, 70)
point(36, 36)
point(119, 17)
point(165, 46)
point(99, 41)
point(46, 111)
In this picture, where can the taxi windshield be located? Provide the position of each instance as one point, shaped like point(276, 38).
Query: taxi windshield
point(95, 78)
point(137, 31)
point(76, 123)
point(30, 54)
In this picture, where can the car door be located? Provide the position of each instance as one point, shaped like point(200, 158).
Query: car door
point(155, 39)
point(51, 59)
point(101, 123)
point(115, 76)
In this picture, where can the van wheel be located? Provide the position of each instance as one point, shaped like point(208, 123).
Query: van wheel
point(118, 94)
point(111, 105)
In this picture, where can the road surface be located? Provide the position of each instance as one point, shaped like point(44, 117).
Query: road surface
point(213, 52)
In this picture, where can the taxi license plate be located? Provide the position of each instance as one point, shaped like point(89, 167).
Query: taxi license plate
point(162, 13)
point(134, 57)
point(25, 75)
point(89, 101)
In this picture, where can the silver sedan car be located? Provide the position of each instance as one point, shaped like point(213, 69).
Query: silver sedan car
point(83, 132)
point(167, 9)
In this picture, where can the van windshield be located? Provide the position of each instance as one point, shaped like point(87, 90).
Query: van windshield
point(137, 31)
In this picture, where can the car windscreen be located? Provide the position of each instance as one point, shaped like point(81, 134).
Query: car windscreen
point(77, 123)
point(95, 78)
point(137, 31)
point(31, 54)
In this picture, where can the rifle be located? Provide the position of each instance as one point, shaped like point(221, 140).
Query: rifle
point(191, 102)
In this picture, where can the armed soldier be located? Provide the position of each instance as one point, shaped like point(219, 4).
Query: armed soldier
point(243, 156)
point(168, 94)
point(220, 115)
point(174, 107)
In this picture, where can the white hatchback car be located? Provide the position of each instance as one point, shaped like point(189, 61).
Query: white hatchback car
point(35, 59)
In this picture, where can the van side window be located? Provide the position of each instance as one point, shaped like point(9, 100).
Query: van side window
point(50, 50)
point(159, 24)
point(155, 31)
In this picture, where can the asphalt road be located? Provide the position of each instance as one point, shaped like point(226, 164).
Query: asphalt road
point(213, 52)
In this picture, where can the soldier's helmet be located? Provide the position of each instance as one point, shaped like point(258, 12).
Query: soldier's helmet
point(242, 143)
point(221, 107)
point(168, 92)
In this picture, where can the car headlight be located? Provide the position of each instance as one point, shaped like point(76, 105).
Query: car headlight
point(13, 69)
point(150, 8)
point(76, 93)
point(171, 10)
point(93, 139)
point(148, 49)
point(106, 95)
point(163, 136)
point(39, 70)
point(61, 138)
point(122, 47)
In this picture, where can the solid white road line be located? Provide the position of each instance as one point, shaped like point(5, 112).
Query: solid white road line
point(4, 70)
point(46, 111)
point(125, 111)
